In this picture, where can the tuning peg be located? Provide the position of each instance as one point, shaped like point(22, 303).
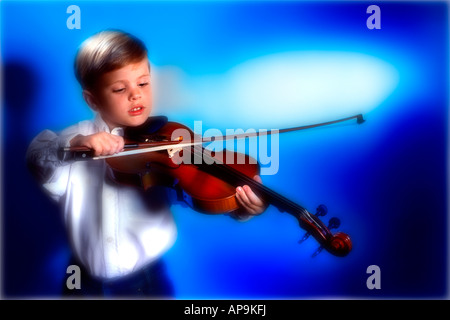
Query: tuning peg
point(305, 236)
point(334, 223)
point(319, 250)
point(321, 210)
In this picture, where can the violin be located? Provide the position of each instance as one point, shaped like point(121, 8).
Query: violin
point(166, 153)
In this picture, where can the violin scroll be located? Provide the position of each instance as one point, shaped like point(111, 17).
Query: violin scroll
point(338, 244)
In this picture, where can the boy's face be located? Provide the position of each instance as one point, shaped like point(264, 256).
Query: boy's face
point(124, 96)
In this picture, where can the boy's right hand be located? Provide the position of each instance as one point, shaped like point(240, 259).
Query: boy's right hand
point(103, 143)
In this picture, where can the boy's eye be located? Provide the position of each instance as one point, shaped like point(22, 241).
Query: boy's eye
point(119, 90)
point(143, 84)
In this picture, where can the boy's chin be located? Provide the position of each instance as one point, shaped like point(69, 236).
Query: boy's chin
point(137, 121)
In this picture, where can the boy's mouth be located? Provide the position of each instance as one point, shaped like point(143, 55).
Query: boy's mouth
point(136, 110)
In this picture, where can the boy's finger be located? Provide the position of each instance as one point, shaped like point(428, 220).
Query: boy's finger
point(249, 200)
point(121, 144)
point(244, 204)
point(257, 178)
point(252, 197)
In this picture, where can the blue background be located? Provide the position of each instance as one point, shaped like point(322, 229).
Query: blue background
point(386, 179)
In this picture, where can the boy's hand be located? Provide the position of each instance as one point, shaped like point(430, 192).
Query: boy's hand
point(250, 202)
point(103, 143)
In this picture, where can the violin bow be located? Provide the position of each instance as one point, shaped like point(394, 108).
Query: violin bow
point(156, 146)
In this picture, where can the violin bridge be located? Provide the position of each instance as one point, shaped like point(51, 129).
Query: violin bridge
point(173, 151)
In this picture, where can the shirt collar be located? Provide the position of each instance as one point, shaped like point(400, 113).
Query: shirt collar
point(102, 126)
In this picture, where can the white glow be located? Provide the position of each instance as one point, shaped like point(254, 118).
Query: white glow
point(310, 86)
point(290, 88)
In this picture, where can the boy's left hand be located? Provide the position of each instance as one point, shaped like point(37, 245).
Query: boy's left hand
point(250, 202)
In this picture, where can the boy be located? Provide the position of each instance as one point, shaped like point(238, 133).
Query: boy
point(116, 236)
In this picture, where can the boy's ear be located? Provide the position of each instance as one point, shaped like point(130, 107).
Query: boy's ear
point(90, 100)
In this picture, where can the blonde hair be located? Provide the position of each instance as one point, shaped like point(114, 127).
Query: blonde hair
point(106, 51)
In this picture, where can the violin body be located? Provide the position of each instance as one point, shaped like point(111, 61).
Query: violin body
point(202, 190)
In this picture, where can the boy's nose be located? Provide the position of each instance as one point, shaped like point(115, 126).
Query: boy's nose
point(135, 94)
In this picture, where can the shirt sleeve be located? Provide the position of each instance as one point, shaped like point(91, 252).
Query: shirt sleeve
point(43, 162)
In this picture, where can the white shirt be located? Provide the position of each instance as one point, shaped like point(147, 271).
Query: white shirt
point(112, 229)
